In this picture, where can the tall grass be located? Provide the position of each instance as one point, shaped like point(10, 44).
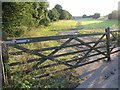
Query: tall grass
point(53, 29)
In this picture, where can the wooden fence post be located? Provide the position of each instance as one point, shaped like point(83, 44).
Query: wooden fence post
point(107, 30)
point(1, 63)
point(6, 75)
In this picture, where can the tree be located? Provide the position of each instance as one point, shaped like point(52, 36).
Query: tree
point(84, 16)
point(58, 8)
point(41, 13)
point(58, 13)
point(54, 14)
point(96, 15)
point(110, 16)
point(113, 15)
point(90, 16)
point(65, 15)
point(21, 16)
point(17, 15)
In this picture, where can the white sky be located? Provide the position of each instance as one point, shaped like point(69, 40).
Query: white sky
point(89, 7)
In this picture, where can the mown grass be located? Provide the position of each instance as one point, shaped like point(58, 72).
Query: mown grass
point(97, 24)
point(89, 25)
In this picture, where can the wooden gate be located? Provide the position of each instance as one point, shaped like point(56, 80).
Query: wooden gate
point(104, 45)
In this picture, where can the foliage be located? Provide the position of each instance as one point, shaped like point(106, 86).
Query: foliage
point(96, 15)
point(58, 8)
point(17, 15)
point(42, 16)
point(113, 15)
point(14, 16)
point(84, 16)
point(58, 13)
point(23, 14)
point(65, 15)
point(54, 14)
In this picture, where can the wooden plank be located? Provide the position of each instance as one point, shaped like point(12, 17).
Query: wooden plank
point(75, 52)
point(107, 30)
point(86, 63)
point(115, 51)
point(38, 54)
point(76, 66)
point(4, 60)
point(53, 52)
point(38, 59)
point(114, 30)
point(55, 56)
point(55, 64)
point(91, 47)
point(47, 38)
point(28, 51)
point(114, 46)
point(56, 50)
point(1, 60)
point(113, 36)
point(68, 61)
point(28, 61)
point(51, 48)
point(1, 63)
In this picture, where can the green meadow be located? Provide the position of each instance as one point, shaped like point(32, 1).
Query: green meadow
point(93, 25)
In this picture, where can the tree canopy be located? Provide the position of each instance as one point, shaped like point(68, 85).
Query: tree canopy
point(21, 16)
point(113, 15)
point(57, 13)
point(54, 14)
point(95, 16)
point(84, 16)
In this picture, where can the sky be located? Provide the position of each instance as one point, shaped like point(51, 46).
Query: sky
point(88, 7)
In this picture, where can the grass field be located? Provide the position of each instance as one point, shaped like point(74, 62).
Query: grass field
point(53, 29)
point(97, 24)
point(89, 25)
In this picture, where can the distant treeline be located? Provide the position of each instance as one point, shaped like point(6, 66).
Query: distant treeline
point(95, 16)
point(18, 17)
point(114, 15)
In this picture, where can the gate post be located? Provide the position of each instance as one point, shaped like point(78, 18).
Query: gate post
point(1, 63)
point(107, 30)
point(6, 75)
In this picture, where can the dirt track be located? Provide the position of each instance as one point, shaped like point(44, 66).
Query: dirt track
point(99, 74)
